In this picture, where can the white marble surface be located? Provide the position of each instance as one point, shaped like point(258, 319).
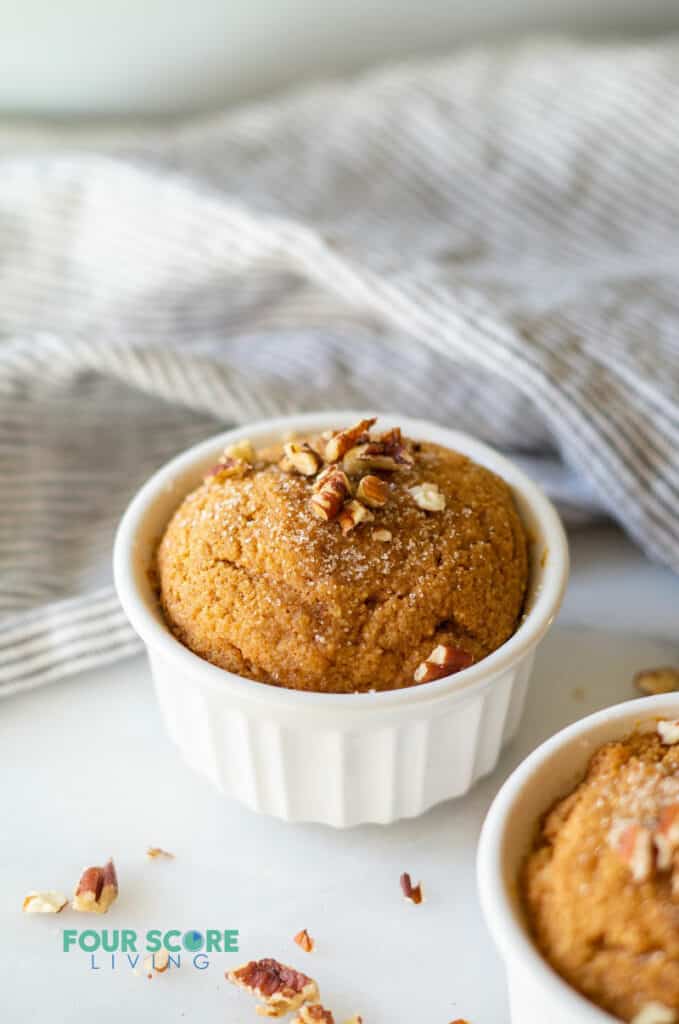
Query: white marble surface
point(88, 772)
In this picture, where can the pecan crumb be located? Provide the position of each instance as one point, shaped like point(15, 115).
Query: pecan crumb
point(282, 989)
point(313, 1014)
point(444, 660)
point(353, 514)
point(97, 889)
point(428, 497)
point(655, 1013)
point(343, 440)
point(657, 680)
point(154, 852)
point(383, 536)
point(668, 731)
point(634, 845)
point(331, 490)
point(411, 892)
point(373, 491)
point(300, 457)
point(304, 941)
point(49, 901)
point(158, 961)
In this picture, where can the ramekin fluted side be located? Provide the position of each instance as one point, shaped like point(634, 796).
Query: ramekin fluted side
point(342, 772)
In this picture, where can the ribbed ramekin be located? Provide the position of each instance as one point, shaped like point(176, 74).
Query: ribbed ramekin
point(536, 992)
point(340, 759)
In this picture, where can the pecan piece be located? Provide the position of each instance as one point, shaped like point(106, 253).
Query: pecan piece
point(634, 845)
point(313, 1014)
point(668, 731)
point(330, 492)
point(300, 457)
point(411, 892)
point(154, 852)
point(343, 440)
point(159, 962)
point(376, 455)
point(666, 836)
point(242, 449)
point(236, 460)
point(657, 680)
point(282, 989)
point(655, 1013)
point(304, 941)
point(49, 901)
point(352, 514)
point(444, 660)
point(97, 889)
point(372, 491)
point(427, 496)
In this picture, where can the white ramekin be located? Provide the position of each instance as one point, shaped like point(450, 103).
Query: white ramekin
point(536, 992)
point(341, 759)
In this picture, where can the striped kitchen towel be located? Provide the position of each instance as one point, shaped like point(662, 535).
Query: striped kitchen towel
point(491, 241)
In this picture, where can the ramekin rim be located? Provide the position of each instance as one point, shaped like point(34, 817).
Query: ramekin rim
point(529, 633)
point(509, 937)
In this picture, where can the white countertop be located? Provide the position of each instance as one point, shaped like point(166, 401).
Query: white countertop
point(88, 771)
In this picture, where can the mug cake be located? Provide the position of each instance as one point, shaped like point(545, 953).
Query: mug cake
point(344, 561)
point(601, 887)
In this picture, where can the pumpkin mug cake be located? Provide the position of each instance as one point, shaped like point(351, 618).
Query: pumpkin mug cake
point(344, 561)
point(601, 888)
point(348, 612)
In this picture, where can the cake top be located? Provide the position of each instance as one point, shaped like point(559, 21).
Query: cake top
point(352, 560)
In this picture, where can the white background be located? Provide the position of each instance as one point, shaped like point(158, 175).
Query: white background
point(88, 772)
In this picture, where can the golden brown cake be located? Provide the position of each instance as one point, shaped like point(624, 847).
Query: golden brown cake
point(348, 562)
point(601, 888)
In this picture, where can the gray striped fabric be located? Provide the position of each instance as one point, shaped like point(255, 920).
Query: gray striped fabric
point(490, 241)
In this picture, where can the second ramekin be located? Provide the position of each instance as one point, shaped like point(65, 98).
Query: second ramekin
point(536, 992)
point(340, 759)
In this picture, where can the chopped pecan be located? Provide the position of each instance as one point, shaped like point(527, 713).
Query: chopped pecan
point(235, 461)
point(657, 680)
point(427, 496)
point(97, 889)
point(383, 536)
point(352, 514)
point(411, 892)
point(159, 962)
point(634, 845)
point(300, 456)
point(242, 449)
point(655, 1013)
point(376, 455)
point(282, 989)
point(304, 941)
point(668, 731)
point(331, 490)
point(444, 660)
point(373, 491)
point(666, 836)
point(154, 852)
point(313, 1014)
point(343, 440)
point(49, 901)
point(226, 468)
